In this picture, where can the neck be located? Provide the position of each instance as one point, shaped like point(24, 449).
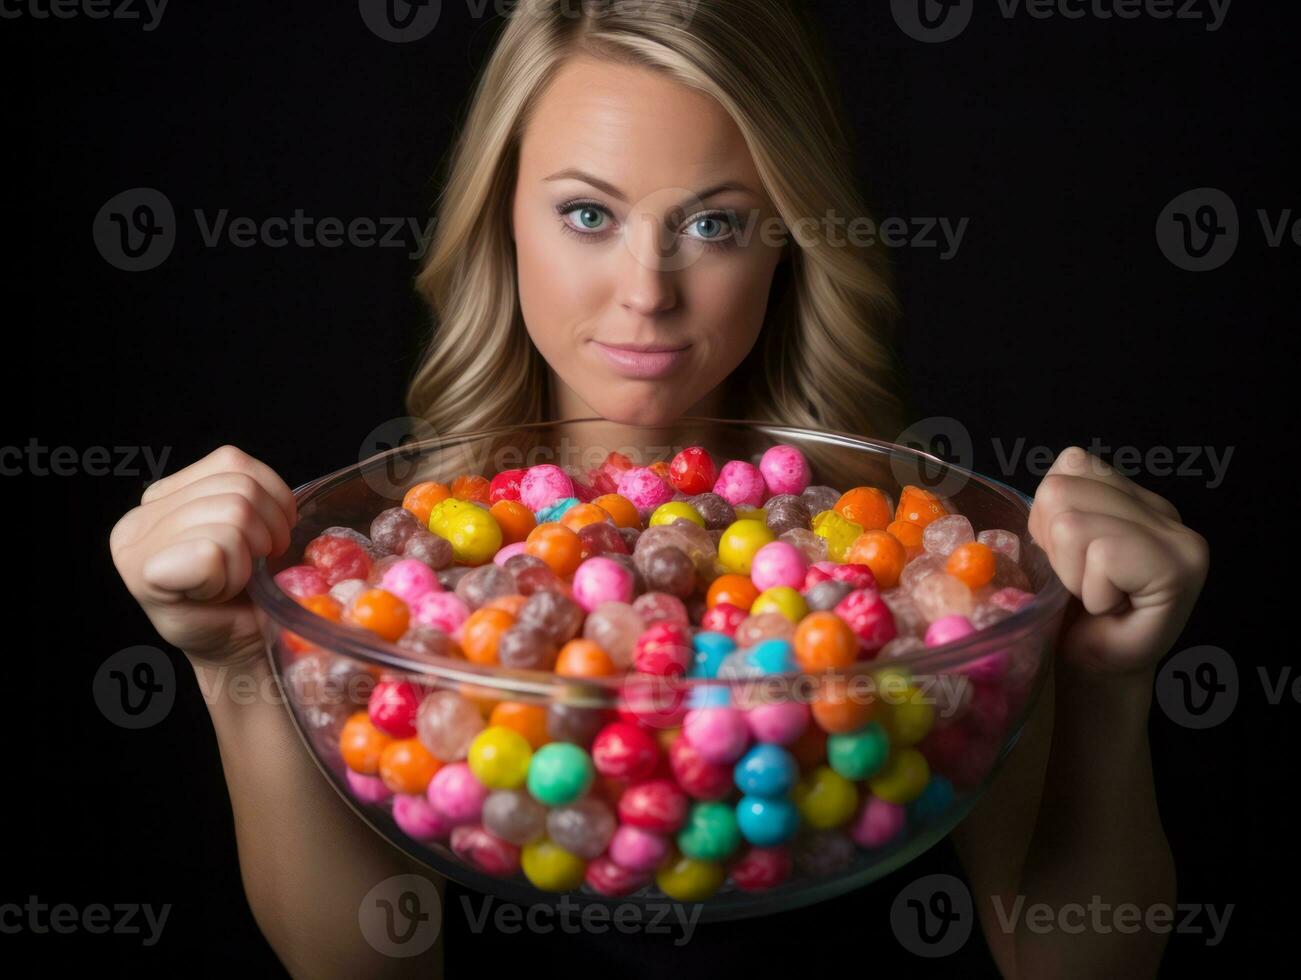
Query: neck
point(565, 403)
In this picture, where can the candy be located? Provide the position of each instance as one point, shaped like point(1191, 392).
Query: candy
point(550, 867)
point(778, 563)
point(825, 641)
point(741, 484)
point(766, 822)
point(406, 766)
point(559, 773)
point(514, 816)
point(688, 880)
point(692, 471)
point(904, 777)
point(638, 849)
point(544, 484)
point(499, 758)
point(447, 723)
point(858, 755)
point(837, 532)
point(417, 818)
point(784, 470)
point(767, 771)
point(825, 798)
point(583, 827)
point(456, 794)
point(675, 510)
point(392, 707)
point(711, 833)
point(667, 570)
point(944, 534)
point(781, 599)
point(878, 823)
point(719, 734)
point(409, 579)
point(644, 489)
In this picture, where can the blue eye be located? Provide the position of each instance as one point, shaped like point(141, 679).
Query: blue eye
point(716, 230)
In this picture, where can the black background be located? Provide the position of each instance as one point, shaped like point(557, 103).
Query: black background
point(1059, 321)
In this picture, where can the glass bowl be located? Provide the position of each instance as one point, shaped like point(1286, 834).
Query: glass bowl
point(870, 795)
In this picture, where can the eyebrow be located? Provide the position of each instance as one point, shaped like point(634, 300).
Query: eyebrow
point(571, 173)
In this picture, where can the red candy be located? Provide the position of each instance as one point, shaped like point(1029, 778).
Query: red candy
point(338, 558)
point(655, 702)
point(870, 619)
point(693, 471)
point(858, 576)
point(609, 879)
point(662, 650)
point(302, 581)
point(761, 868)
point(702, 779)
point(655, 804)
point(481, 850)
point(723, 618)
point(505, 486)
point(393, 706)
point(625, 751)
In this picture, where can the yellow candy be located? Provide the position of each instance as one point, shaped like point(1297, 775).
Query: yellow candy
point(759, 514)
point(904, 777)
point(840, 533)
point(781, 599)
point(910, 717)
point(499, 757)
point(674, 509)
point(685, 879)
point(825, 798)
point(550, 867)
point(474, 534)
point(737, 546)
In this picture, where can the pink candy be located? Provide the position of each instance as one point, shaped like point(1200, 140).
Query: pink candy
point(302, 581)
point(720, 735)
point(599, 580)
point(778, 723)
point(740, 484)
point(784, 470)
point(417, 818)
point(644, 488)
point(869, 617)
point(507, 552)
point(442, 610)
point(637, 849)
point(878, 823)
point(409, 579)
point(543, 485)
point(368, 789)
point(456, 794)
point(946, 629)
point(778, 563)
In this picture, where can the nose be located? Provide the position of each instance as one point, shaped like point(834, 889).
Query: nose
point(647, 282)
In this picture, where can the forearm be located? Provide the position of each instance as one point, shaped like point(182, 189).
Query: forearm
point(1098, 843)
point(306, 861)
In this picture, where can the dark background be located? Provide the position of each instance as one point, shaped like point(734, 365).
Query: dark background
point(1059, 321)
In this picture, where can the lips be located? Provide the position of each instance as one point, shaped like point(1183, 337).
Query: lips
point(642, 361)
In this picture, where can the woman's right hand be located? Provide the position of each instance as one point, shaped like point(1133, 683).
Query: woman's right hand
point(187, 552)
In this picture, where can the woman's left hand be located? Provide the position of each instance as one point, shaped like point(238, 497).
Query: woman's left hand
point(1123, 552)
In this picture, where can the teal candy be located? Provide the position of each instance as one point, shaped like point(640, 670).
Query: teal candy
point(560, 773)
point(773, 657)
point(711, 650)
point(556, 510)
point(711, 833)
point(934, 802)
point(861, 754)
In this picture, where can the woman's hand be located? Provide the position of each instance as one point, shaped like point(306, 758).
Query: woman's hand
point(187, 552)
point(1133, 566)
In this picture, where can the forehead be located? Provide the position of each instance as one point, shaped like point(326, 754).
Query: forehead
point(634, 127)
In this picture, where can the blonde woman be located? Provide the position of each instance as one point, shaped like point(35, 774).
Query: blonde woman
point(632, 228)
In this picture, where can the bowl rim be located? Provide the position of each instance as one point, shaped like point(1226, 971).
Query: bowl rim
point(340, 639)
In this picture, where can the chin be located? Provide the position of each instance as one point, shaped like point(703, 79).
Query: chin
point(661, 409)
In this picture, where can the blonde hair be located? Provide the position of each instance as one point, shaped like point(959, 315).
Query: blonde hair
point(823, 357)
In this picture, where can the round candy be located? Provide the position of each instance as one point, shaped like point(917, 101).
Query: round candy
point(778, 723)
point(499, 757)
point(838, 532)
point(644, 488)
point(583, 827)
point(761, 868)
point(688, 880)
point(417, 818)
point(778, 563)
point(711, 833)
point(692, 471)
point(903, 779)
point(654, 804)
point(514, 816)
point(719, 734)
point(784, 470)
point(392, 707)
point(560, 772)
point(877, 823)
point(825, 798)
point(700, 778)
point(781, 599)
point(544, 484)
point(766, 822)
point(550, 867)
point(741, 484)
point(599, 580)
point(675, 510)
point(824, 641)
point(775, 656)
point(482, 851)
point(858, 755)
point(767, 771)
point(934, 800)
point(638, 849)
point(456, 794)
point(625, 751)
point(710, 650)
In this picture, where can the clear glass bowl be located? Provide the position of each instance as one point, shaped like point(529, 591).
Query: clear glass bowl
point(980, 688)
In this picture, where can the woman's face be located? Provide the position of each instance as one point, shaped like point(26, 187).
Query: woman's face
point(642, 284)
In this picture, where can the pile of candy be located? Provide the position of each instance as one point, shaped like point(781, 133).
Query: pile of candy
point(675, 570)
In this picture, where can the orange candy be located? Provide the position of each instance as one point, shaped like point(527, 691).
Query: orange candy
point(507, 603)
point(361, 744)
point(421, 498)
point(918, 506)
point(836, 711)
point(824, 641)
point(406, 766)
point(481, 633)
point(583, 658)
point(620, 508)
point(381, 612)
point(738, 590)
point(467, 487)
point(882, 552)
point(972, 563)
point(530, 720)
point(909, 535)
point(867, 507)
point(580, 515)
point(325, 606)
point(515, 519)
point(660, 468)
point(556, 545)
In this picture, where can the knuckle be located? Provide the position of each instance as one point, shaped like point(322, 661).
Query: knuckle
point(1068, 526)
point(230, 457)
point(1053, 492)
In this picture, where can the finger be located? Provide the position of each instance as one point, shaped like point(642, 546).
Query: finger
point(227, 459)
point(233, 509)
point(1075, 461)
point(229, 482)
point(1058, 492)
point(212, 564)
point(1109, 562)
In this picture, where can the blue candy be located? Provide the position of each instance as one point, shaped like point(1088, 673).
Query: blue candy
point(773, 657)
point(933, 802)
point(766, 770)
point(711, 650)
point(766, 823)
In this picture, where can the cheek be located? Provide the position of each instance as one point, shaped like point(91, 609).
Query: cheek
point(558, 289)
point(731, 300)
